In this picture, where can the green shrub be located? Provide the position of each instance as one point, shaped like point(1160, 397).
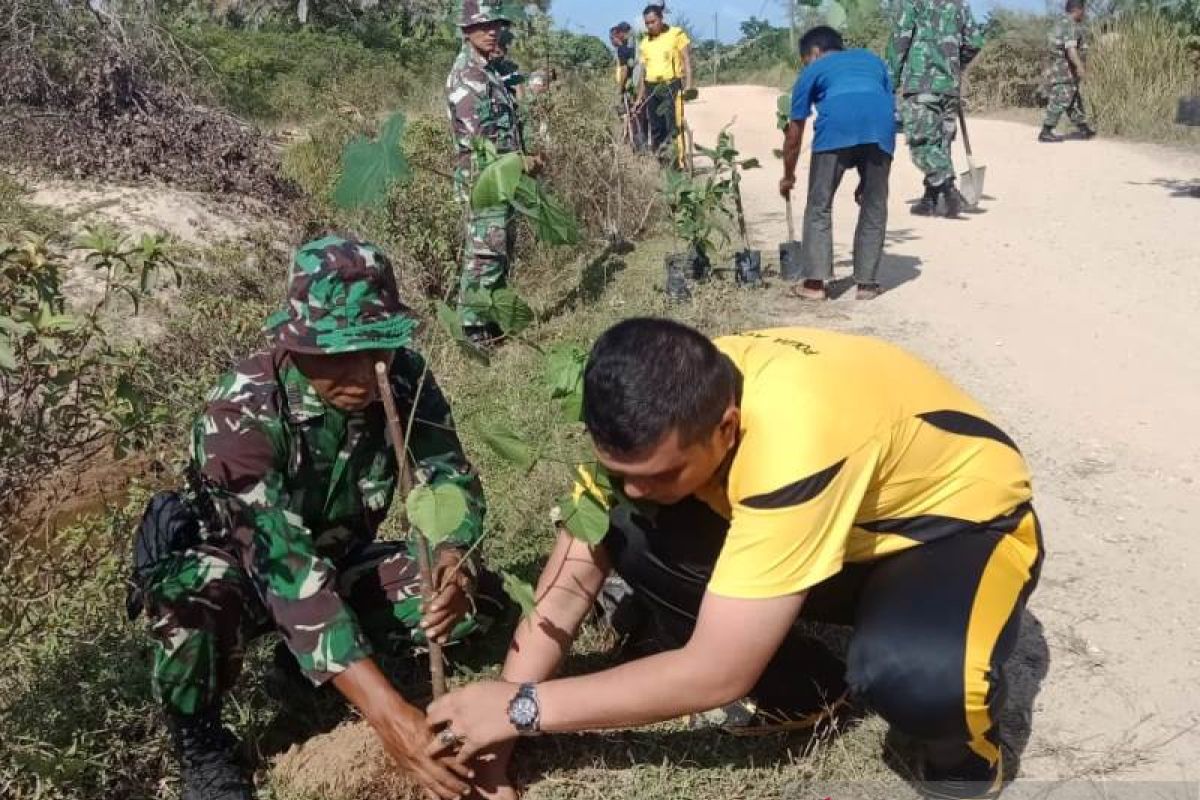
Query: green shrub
point(290, 75)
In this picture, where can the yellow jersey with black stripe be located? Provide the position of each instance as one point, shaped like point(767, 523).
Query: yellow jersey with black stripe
point(850, 450)
point(663, 55)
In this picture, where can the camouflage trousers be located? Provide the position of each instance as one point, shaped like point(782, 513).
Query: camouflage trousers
point(204, 611)
point(1064, 97)
point(488, 253)
point(930, 125)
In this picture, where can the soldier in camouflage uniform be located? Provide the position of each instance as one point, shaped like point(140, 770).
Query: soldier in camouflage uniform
point(932, 42)
point(291, 475)
point(482, 106)
point(1064, 74)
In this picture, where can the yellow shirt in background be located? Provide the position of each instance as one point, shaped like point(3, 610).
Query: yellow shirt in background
point(663, 55)
point(850, 449)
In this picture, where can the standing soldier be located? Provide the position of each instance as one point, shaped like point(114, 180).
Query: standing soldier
point(482, 106)
point(1064, 74)
point(291, 475)
point(932, 42)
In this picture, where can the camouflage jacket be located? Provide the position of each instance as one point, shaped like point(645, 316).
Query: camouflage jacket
point(932, 42)
point(292, 486)
point(481, 105)
point(1066, 33)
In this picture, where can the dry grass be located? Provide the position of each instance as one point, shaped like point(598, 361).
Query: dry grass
point(1138, 71)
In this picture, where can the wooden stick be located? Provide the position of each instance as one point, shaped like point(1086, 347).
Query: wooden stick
point(437, 667)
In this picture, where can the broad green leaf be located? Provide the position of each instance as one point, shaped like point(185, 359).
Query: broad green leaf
point(451, 322)
point(835, 15)
point(8, 359)
point(783, 111)
point(751, 163)
point(521, 593)
point(690, 95)
point(437, 511)
point(510, 312)
point(552, 222)
point(564, 376)
point(498, 181)
point(371, 168)
point(585, 518)
point(511, 447)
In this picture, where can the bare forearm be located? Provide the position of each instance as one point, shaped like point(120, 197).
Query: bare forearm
point(652, 689)
point(791, 147)
point(566, 590)
point(687, 68)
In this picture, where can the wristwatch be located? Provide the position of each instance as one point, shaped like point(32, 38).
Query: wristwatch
point(523, 711)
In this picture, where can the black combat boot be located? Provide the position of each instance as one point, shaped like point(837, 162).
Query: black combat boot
point(953, 199)
point(209, 768)
point(1048, 135)
point(1086, 132)
point(927, 205)
point(484, 336)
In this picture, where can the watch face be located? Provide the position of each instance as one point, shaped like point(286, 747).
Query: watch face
point(523, 711)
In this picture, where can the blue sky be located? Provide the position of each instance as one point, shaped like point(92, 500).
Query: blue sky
point(597, 16)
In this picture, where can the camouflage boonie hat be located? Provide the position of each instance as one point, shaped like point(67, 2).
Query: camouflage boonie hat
point(342, 298)
point(481, 12)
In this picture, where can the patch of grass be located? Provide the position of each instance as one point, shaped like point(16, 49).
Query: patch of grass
point(1138, 70)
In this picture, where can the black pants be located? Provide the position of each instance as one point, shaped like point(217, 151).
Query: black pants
point(932, 625)
point(824, 176)
point(662, 114)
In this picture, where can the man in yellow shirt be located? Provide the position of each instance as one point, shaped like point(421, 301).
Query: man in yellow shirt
point(768, 477)
point(666, 54)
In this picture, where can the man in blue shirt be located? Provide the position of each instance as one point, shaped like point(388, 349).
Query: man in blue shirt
point(855, 128)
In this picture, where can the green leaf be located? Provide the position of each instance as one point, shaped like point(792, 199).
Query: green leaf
point(510, 312)
point(564, 376)
point(751, 163)
point(371, 168)
point(552, 222)
point(8, 359)
point(835, 15)
point(521, 593)
point(585, 518)
point(437, 511)
point(690, 95)
point(498, 181)
point(511, 447)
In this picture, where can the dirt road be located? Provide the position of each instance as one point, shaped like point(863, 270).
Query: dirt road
point(1070, 308)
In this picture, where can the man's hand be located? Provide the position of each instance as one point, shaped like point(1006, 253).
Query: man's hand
point(477, 715)
point(786, 184)
point(402, 730)
point(451, 600)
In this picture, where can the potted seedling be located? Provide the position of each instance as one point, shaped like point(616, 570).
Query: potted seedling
point(1189, 111)
point(747, 262)
point(695, 204)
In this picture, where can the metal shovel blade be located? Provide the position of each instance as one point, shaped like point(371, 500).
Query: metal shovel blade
point(790, 268)
point(971, 183)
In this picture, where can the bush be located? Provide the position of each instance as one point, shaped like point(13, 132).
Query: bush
point(1137, 72)
point(293, 75)
point(1008, 72)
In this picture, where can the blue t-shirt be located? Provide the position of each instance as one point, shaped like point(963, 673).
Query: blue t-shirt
point(853, 95)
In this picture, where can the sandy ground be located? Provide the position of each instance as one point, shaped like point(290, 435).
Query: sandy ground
point(1068, 306)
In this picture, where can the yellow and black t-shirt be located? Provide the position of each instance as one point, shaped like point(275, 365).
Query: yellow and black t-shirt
point(850, 450)
point(663, 55)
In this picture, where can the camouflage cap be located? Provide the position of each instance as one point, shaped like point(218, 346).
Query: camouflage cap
point(342, 298)
point(481, 12)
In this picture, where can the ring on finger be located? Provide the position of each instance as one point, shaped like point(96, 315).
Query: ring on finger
point(449, 738)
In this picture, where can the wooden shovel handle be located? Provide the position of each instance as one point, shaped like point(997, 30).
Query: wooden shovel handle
point(790, 224)
point(437, 667)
